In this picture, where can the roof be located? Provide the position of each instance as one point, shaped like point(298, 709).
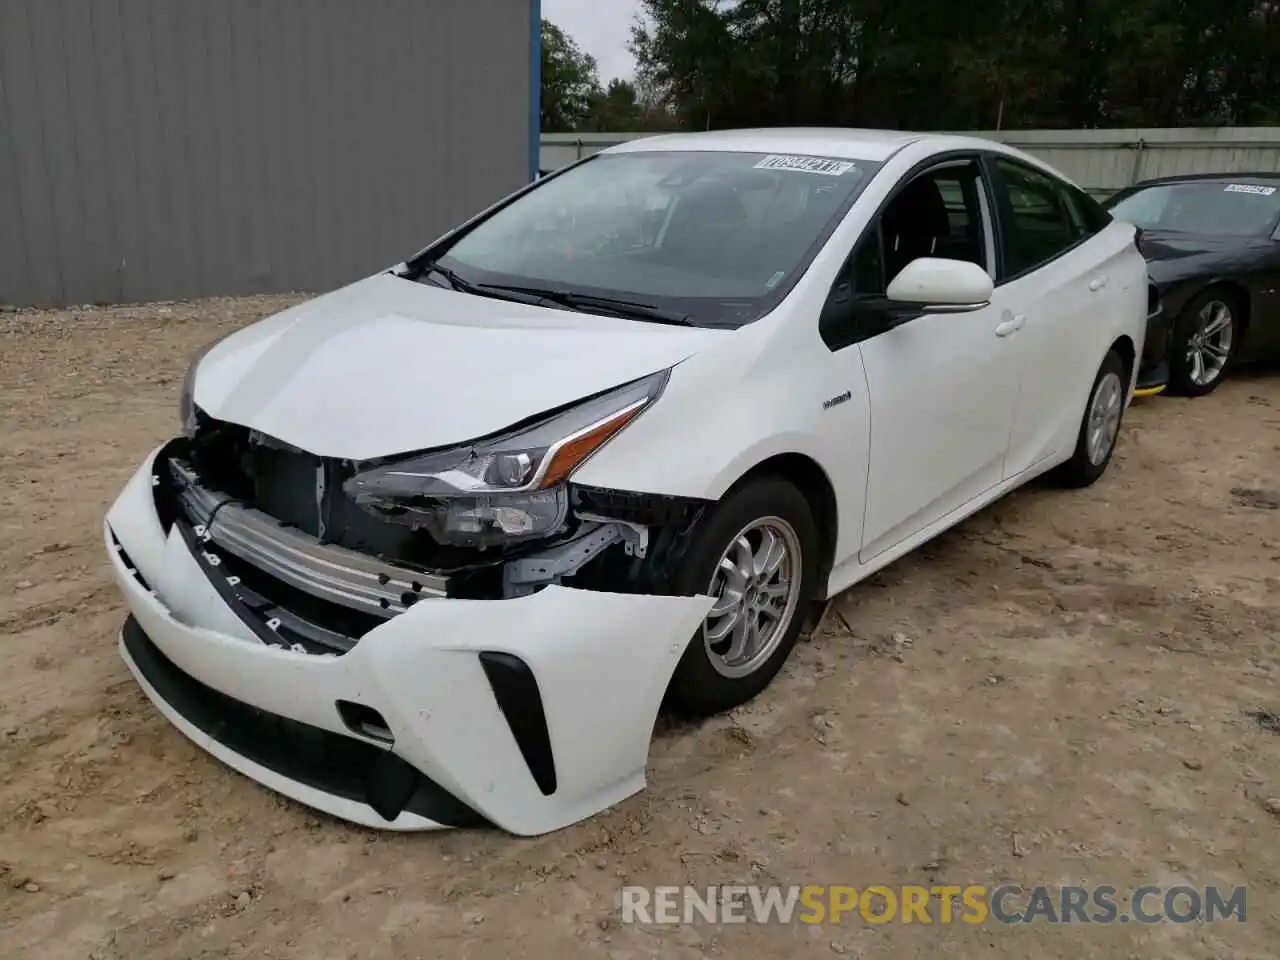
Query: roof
point(846, 144)
point(870, 146)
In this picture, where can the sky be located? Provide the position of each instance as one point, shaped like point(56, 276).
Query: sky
point(601, 28)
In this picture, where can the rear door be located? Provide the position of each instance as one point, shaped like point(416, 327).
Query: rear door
point(1062, 274)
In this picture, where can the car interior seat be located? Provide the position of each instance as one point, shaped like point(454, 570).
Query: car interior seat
point(915, 222)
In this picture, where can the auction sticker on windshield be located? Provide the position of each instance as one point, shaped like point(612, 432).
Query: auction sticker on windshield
point(831, 168)
point(1250, 188)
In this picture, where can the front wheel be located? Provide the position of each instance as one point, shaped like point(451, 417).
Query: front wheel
point(1204, 341)
point(756, 554)
point(1101, 425)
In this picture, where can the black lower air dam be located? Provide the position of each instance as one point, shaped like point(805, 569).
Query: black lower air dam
point(516, 690)
point(341, 766)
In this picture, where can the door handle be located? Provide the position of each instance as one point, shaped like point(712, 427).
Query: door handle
point(1097, 283)
point(1010, 325)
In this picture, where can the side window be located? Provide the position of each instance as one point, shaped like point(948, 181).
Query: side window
point(1044, 222)
point(965, 238)
point(937, 213)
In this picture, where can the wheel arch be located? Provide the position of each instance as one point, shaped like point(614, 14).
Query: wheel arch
point(1124, 346)
point(809, 477)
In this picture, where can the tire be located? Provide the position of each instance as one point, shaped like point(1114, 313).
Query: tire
point(705, 681)
point(1207, 308)
point(1090, 458)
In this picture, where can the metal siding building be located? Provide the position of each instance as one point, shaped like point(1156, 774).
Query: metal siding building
point(169, 149)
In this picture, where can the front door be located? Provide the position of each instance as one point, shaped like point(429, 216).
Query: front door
point(942, 390)
point(942, 386)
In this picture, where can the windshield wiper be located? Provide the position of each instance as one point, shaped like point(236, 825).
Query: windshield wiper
point(454, 282)
point(630, 309)
point(544, 296)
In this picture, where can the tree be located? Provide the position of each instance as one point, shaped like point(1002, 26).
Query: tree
point(570, 84)
point(573, 99)
point(616, 108)
point(924, 64)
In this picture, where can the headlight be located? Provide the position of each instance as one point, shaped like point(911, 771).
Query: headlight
point(186, 399)
point(505, 488)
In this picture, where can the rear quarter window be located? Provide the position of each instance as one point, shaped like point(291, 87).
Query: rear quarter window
point(1095, 218)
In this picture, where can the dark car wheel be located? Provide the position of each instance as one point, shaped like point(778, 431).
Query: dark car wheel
point(1205, 337)
point(756, 553)
point(1096, 441)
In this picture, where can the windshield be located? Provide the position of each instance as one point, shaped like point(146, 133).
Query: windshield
point(718, 236)
point(1208, 207)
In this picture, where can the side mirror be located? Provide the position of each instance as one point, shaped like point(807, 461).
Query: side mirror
point(937, 285)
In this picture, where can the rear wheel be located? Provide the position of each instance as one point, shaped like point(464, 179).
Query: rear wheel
point(756, 554)
point(1096, 441)
point(1205, 337)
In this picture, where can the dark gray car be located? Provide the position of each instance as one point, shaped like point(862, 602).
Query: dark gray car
point(1212, 243)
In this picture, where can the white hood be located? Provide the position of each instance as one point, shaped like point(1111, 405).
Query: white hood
point(388, 366)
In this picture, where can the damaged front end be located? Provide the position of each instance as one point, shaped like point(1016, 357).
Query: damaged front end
point(316, 551)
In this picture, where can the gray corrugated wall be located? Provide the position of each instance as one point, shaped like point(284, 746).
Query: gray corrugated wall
point(167, 149)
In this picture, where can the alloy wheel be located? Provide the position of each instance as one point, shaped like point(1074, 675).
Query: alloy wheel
point(1209, 345)
point(757, 589)
point(1104, 417)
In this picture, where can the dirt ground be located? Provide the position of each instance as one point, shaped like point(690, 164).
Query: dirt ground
point(1067, 700)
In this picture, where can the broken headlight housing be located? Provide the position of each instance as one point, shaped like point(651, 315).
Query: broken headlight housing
point(502, 489)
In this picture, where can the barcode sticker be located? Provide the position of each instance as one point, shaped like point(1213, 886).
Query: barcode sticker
point(820, 165)
point(1253, 188)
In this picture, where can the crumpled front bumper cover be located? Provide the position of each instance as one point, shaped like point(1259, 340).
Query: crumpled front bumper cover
point(530, 713)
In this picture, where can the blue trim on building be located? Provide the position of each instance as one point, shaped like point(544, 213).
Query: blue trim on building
point(535, 88)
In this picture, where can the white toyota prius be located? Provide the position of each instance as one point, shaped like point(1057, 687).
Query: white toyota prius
point(435, 549)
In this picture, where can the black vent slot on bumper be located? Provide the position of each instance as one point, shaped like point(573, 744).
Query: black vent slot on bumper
point(516, 690)
point(128, 563)
point(338, 765)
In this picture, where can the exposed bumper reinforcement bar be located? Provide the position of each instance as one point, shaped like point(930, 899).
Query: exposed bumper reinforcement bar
point(330, 572)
